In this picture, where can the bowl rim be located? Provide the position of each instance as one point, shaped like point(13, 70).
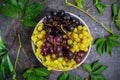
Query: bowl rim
point(83, 22)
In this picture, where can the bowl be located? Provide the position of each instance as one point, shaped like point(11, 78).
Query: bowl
point(82, 60)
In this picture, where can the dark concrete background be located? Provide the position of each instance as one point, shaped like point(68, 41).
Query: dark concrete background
point(112, 73)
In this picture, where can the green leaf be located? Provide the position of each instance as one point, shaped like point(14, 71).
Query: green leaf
point(9, 10)
point(27, 72)
point(79, 3)
point(33, 10)
point(86, 67)
point(42, 71)
point(114, 43)
point(108, 47)
point(63, 76)
point(97, 77)
point(117, 23)
point(95, 65)
point(29, 22)
point(100, 48)
point(100, 7)
point(100, 69)
point(113, 37)
point(13, 2)
point(99, 40)
point(118, 15)
point(114, 9)
point(7, 63)
point(75, 78)
point(2, 45)
point(96, 2)
point(23, 3)
point(2, 73)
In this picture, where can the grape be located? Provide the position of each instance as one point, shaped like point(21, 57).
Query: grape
point(54, 32)
point(70, 55)
point(50, 38)
point(64, 41)
point(57, 40)
point(70, 27)
point(66, 16)
point(46, 44)
point(78, 59)
point(50, 50)
point(48, 30)
point(73, 19)
point(48, 16)
point(60, 13)
point(44, 53)
point(59, 54)
point(43, 49)
point(54, 12)
point(57, 48)
point(66, 47)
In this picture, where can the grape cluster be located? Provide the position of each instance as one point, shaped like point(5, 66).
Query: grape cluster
point(61, 41)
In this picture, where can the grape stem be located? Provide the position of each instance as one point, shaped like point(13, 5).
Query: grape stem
point(97, 21)
point(61, 26)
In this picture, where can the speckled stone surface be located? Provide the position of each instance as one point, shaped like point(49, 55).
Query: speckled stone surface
point(112, 73)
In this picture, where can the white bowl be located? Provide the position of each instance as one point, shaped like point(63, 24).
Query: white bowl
point(33, 46)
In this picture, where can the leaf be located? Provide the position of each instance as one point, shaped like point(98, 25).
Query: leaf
point(114, 43)
point(97, 77)
point(79, 3)
point(118, 15)
point(63, 76)
point(2, 73)
point(29, 22)
point(117, 23)
point(86, 67)
point(9, 10)
point(27, 72)
point(23, 3)
point(99, 40)
point(42, 71)
point(33, 10)
point(108, 47)
point(100, 7)
point(100, 48)
point(100, 69)
point(75, 78)
point(113, 37)
point(95, 65)
point(7, 63)
point(2, 46)
point(13, 2)
point(114, 9)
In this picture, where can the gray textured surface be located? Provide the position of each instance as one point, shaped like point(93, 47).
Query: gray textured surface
point(112, 73)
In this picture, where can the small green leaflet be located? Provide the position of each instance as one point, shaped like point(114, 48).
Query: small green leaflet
point(100, 7)
point(116, 15)
point(22, 9)
point(66, 76)
point(97, 70)
point(36, 73)
point(107, 44)
point(79, 3)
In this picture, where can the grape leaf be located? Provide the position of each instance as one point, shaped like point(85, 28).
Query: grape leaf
point(108, 47)
point(113, 37)
point(13, 2)
point(22, 3)
point(2, 73)
point(100, 7)
point(117, 23)
point(86, 67)
point(99, 40)
point(63, 76)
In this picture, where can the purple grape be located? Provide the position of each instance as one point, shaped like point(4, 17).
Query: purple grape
point(50, 50)
point(43, 49)
point(59, 54)
point(48, 30)
point(57, 48)
point(44, 53)
point(70, 55)
point(50, 38)
point(64, 41)
point(78, 59)
point(57, 40)
point(46, 44)
point(66, 47)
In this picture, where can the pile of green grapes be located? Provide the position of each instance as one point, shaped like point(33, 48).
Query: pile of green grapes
point(61, 41)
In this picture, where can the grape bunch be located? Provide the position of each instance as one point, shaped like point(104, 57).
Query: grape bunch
point(61, 41)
